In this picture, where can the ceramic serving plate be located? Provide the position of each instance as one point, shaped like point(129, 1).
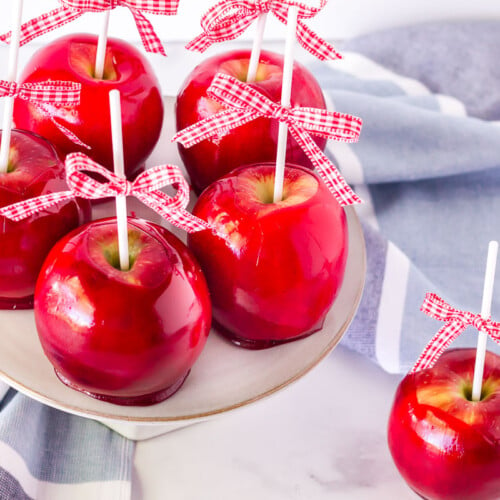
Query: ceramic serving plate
point(224, 378)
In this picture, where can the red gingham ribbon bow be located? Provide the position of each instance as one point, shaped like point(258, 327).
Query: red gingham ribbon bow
point(246, 104)
point(73, 9)
point(145, 187)
point(41, 94)
point(456, 321)
point(51, 92)
point(228, 19)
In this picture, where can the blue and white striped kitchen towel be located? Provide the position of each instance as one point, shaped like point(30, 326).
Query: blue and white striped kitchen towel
point(50, 455)
point(428, 167)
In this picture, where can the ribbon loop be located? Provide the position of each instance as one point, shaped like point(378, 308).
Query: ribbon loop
point(456, 321)
point(146, 188)
point(71, 10)
point(50, 92)
point(45, 94)
point(245, 104)
point(228, 19)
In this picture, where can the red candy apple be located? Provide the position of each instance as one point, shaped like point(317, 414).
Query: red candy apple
point(274, 269)
point(72, 58)
point(127, 337)
point(254, 142)
point(34, 170)
point(445, 445)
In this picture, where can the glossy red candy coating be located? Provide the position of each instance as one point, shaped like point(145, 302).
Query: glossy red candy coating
point(253, 142)
point(276, 270)
point(35, 169)
point(127, 337)
point(72, 58)
point(446, 446)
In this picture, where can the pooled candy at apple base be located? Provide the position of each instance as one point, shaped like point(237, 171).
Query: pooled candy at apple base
point(445, 445)
point(125, 337)
point(72, 58)
point(34, 169)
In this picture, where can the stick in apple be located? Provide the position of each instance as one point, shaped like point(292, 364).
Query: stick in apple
point(485, 313)
point(17, 13)
point(102, 43)
point(121, 200)
point(256, 48)
point(286, 90)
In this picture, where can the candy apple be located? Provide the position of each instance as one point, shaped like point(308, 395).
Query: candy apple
point(273, 269)
point(445, 445)
point(72, 58)
point(251, 143)
point(126, 337)
point(34, 169)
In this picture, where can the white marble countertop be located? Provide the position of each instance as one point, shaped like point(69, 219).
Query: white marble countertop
point(323, 437)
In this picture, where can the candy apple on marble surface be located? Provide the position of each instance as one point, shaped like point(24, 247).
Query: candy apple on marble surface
point(445, 445)
point(253, 142)
point(273, 269)
point(126, 337)
point(34, 169)
point(72, 58)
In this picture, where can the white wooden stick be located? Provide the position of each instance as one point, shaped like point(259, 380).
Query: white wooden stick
point(485, 313)
point(253, 65)
point(102, 42)
point(17, 14)
point(119, 167)
point(286, 91)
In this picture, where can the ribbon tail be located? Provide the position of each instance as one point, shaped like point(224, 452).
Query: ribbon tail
point(314, 44)
point(187, 221)
point(330, 175)
point(70, 135)
point(43, 24)
point(147, 33)
point(158, 201)
point(228, 30)
point(200, 44)
point(26, 208)
point(42, 108)
point(438, 344)
point(217, 125)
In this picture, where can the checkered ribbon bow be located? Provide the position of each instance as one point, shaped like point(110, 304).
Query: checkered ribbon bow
point(51, 92)
point(245, 104)
point(146, 188)
point(73, 9)
point(45, 94)
point(456, 321)
point(228, 19)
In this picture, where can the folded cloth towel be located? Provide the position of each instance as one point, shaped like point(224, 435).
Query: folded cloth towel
point(50, 455)
point(427, 166)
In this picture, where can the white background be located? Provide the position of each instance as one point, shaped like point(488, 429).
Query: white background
point(339, 19)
